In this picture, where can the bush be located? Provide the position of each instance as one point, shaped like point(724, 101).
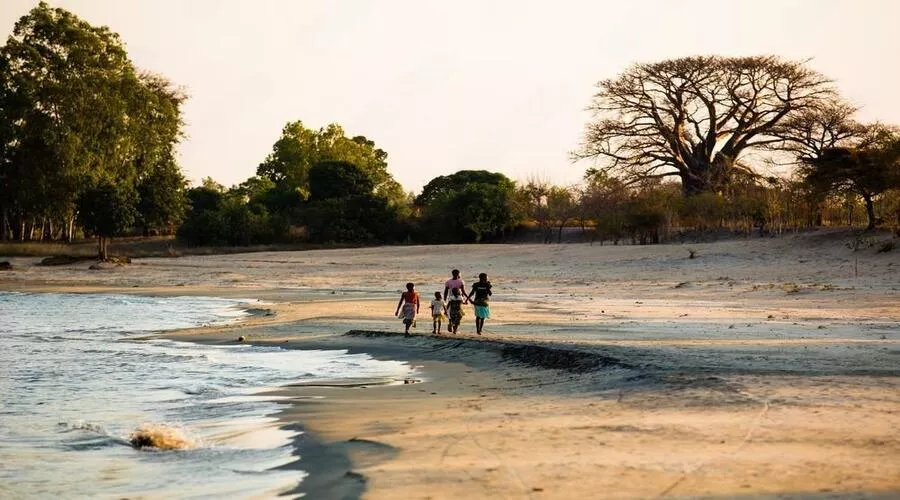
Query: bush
point(205, 228)
point(351, 219)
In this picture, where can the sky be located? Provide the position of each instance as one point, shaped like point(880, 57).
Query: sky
point(464, 84)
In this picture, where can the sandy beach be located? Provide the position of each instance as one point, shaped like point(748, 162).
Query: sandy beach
point(761, 368)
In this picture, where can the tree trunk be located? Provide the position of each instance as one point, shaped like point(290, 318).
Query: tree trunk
point(692, 185)
point(870, 211)
point(849, 212)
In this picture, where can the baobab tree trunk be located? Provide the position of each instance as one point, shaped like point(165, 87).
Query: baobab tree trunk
point(703, 176)
point(691, 184)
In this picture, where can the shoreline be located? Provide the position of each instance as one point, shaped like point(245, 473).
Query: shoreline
point(517, 371)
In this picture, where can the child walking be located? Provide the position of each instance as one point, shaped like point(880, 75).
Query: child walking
point(409, 301)
point(455, 310)
point(438, 309)
point(482, 293)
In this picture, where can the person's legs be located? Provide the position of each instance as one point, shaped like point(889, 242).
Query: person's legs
point(407, 323)
point(478, 324)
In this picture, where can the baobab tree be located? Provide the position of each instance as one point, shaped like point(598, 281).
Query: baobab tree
point(808, 133)
point(694, 117)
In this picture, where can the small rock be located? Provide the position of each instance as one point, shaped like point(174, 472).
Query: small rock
point(5, 266)
point(241, 338)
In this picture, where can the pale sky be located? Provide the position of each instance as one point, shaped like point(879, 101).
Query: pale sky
point(445, 86)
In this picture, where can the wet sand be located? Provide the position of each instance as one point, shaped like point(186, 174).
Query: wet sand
point(761, 368)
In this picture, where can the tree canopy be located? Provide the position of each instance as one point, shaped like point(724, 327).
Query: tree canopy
point(77, 114)
point(867, 170)
point(468, 205)
point(337, 179)
point(299, 148)
point(456, 181)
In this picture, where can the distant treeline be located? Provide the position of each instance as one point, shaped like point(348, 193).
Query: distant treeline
point(87, 149)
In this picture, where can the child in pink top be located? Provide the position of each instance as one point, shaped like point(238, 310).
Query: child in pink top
point(454, 282)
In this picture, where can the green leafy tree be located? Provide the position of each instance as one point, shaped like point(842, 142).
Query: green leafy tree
point(337, 179)
point(252, 189)
point(76, 113)
point(351, 219)
point(299, 148)
point(107, 210)
point(203, 199)
point(343, 206)
point(206, 227)
point(867, 170)
point(443, 184)
point(163, 201)
point(468, 205)
point(61, 77)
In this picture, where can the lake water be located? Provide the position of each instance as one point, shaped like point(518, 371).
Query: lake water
point(75, 384)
